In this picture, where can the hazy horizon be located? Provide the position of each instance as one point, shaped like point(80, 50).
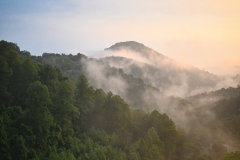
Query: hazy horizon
point(204, 33)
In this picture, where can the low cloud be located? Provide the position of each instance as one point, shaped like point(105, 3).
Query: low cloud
point(175, 81)
point(164, 73)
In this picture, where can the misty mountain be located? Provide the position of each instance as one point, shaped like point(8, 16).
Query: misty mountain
point(45, 116)
point(139, 48)
point(164, 73)
point(134, 91)
point(214, 96)
point(142, 85)
point(101, 75)
point(207, 124)
point(137, 93)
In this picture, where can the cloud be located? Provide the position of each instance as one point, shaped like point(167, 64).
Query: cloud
point(99, 78)
point(169, 76)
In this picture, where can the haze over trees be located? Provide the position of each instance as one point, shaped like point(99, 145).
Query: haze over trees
point(58, 106)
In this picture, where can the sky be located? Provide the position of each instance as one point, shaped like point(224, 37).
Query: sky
point(202, 33)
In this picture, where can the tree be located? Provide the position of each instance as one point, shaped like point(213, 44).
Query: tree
point(28, 73)
point(19, 150)
point(84, 95)
point(166, 130)
point(4, 137)
point(14, 63)
point(99, 98)
point(116, 113)
point(5, 73)
point(84, 102)
point(5, 47)
point(38, 116)
point(148, 147)
point(49, 77)
point(63, 108)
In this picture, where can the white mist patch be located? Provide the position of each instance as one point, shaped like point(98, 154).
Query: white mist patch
point(97, 78)
point(164, 73)
point(175, 81)
point(127, 53)
point(179, 86)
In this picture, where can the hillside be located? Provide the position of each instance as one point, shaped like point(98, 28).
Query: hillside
point(139, 93)
point(166, 74)
point(101, 75)
point(49, 110)
point(43, 115)
point(214, 96)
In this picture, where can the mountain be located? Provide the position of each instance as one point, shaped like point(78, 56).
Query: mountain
point(142, 85)
point(45, 116)
point(41, 97)
point(101, 75)
point(140, 52)
point(208, 98)
point(164, 73)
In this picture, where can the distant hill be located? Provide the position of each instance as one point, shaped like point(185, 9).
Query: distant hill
point(102, 75)
point(160, 71)
point(214, 96)
point(207, 124)
point(143, 85)
point(137, 50)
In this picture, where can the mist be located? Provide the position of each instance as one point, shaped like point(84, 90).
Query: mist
point(185, 93)
point(194, 78)
point(179, 79)
point(98, 78)
point(188, 95)
point(202, 107)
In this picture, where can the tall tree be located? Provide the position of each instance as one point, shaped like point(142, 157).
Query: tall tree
point(38, 116)
point(5, 73)
point(116, 113)
point(49, 77)
point(84, 101)
point(28, 74)
point(14, 62)
point(64, 110)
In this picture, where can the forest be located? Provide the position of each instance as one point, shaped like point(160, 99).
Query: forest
point(51, 108)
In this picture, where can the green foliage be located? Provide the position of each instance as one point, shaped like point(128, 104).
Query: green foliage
point(4, 48)
point(28, 74)
point(76, 65)
point(44, 115)
point(63, 107)
point(49, 77)
point(38, 117)
point(116, 114)
point(166, 130)
point(84, 102)
point(5, 73)
point(84, 95)
point(38, 95)
point(19, 148)
point(62, 155)
point(99, 98)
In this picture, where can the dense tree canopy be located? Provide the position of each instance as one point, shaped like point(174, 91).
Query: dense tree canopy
point(46, 115)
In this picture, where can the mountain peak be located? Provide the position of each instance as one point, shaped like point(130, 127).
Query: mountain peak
point(136, 46)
